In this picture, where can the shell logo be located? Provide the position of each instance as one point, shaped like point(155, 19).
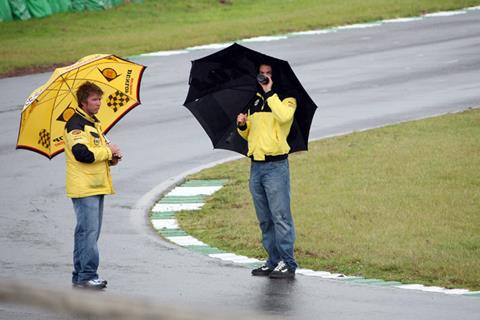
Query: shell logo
point(109, 74)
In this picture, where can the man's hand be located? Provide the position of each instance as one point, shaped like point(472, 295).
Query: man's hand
point(116, 152)
point(268, 86)
point(241, 119)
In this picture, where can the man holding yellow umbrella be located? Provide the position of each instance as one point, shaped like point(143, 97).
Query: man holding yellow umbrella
point(67, 114)
point(88, 180)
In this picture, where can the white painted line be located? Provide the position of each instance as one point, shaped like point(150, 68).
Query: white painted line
point(421, 287)
point(162, 207)
point(165, 224)
point(164, 53)
point(222, 256)
point(444, 13)
point(233, 258)
point(433, 289)
point(264, 38)
point(186, 241)
point(304, 271)
point(313, 273)
point(359, 26)
point(193, 191)
point(313, 32)
point(211, 46)
point(411, 286)
point(242, 259)
point(331, 275)
point(456, 291)
point(401, 20)
point(473, 8)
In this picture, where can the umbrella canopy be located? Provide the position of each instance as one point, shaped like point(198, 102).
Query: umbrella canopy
point(223, 84)
point(49, 107)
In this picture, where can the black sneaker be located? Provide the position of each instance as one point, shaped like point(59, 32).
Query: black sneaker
point(281, 271)
point(95, 284)
point(263, 271)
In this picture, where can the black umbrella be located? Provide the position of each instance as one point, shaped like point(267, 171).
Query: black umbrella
point(222, 85)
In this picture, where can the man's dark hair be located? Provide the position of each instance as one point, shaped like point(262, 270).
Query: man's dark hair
point(85, 90)
point(264, 64)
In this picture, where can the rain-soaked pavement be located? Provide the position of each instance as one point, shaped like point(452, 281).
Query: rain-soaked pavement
point(359, 78)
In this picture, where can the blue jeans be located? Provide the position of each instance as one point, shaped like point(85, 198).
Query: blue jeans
point(89, 212)
point(270, 189)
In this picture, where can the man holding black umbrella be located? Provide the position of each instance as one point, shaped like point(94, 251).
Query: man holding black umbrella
point(265, 127)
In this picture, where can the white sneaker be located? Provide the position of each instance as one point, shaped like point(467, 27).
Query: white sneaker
point(96, 284)
point(281, 271)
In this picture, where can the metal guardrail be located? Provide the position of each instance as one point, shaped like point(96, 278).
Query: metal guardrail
point(90, 304)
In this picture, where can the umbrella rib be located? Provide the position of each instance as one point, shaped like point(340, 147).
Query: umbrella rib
point(108, 85)
point(75, 78)
point(55, 99)
point(70, 89)
point(54, 106)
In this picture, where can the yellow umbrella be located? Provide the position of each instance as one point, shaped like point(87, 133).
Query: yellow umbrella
point(49, 107)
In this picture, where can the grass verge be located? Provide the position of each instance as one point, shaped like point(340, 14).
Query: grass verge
point(37, 44)
point(397, 203)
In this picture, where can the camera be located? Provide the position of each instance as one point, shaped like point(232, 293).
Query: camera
point(262, 79)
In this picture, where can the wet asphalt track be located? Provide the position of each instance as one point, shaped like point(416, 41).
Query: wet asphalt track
point(359, 78)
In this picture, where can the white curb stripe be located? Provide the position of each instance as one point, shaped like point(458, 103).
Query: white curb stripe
point(401, 20)
point(222, 256)
point(164, 53)
point(186, 241)
point(264, 38)
point(312, 32)
point(212, 46)
point(233, 258)
point(242, 259)
point(165, 224)
point(162, 207)
point(193, 191)
point(444, 13)
point(359, 26)
point(456, 291)
point(421, 287)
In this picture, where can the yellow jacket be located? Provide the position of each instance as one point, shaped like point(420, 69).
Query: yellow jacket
point(268, 124)
point(87, 156)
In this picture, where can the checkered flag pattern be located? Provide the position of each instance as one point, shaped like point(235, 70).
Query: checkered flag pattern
point(117, 100)
point(44, 139)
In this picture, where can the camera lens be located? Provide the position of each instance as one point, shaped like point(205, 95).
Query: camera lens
point(262, 79)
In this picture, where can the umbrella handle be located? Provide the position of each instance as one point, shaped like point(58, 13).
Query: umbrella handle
point(106, 139)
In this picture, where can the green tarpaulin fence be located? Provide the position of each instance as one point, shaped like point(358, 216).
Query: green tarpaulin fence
point(5, 11)
point(63, 5)
point(26, 9)
point(39, 8)
point(19, 9)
